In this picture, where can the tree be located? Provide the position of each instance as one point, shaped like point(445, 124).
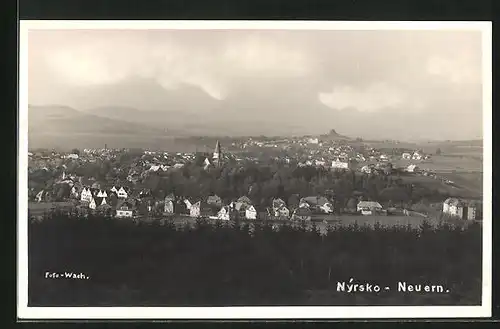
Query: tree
point(438, 151)
point(75, 151)
point(352, 204)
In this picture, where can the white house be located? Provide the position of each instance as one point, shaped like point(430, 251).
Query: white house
point(195, 209)
point(313, 141)
point(92, 204)
point(412, 168)
point(250, 212)
point(317, 203)
point(224, 213)
point(102, 194)
point(188, 204)
point(282, 212)
point(74, 192)
point(206, 164)
point(337, 164)
point(406, 156)
point(72, 156)
point(459, 208)
point(416, 156)
point(124, 210)
point(114, 189)
point(86, 195)
point(122, 193)
point(369, 207)
point(169, 204)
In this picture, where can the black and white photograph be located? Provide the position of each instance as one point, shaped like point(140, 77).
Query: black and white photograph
point(237, 169)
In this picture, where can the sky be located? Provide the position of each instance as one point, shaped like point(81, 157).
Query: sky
point(373, 84)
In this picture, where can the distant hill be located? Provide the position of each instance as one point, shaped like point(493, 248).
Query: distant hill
point(62, 119)
point(333, 135)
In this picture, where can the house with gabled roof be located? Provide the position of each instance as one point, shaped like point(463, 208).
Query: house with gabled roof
point(412, 168)
point(462, 209)
point(318, 204)
point(214, 200)
point(250, 212)
point(369, 207)
point(200, 209)
point(125, 209)
point(92, 203)
point(245, 199)
point(102, 194)
point(279, 209)
point(188, 204)
point(224, 213)
point(123, 192)
point(86, 195)
point(168, 205)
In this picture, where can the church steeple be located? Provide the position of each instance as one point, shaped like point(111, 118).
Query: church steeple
point(217, 157)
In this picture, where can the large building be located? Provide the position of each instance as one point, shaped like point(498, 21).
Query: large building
point(460, 208)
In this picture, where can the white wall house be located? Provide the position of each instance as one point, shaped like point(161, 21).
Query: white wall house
point(195, 209)
point(337, 164)
point(74, 192)
point(122, 194)
point(406, 156)
point(223, 214)
point(416, 156)
point(92, 204)
point(412, 168)
point(368, 207)
point(122, 213)
point(459, 208)
point(168, 207)
point(250, 212)
point(281, 212)
point(86, 195)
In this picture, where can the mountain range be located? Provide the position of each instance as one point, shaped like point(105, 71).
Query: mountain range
point(120, 126)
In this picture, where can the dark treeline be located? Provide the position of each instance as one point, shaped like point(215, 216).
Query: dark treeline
point(157, 264)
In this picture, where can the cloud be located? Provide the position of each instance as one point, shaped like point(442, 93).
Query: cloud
point(376, 97)
point(101, 61)
point(278, 75)
point(455, 69)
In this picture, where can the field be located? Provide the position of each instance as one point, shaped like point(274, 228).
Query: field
point(442, 163)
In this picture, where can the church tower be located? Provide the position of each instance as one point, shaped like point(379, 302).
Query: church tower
point(217, 157)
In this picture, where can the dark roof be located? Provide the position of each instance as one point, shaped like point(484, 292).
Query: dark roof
point(98, 200)
point(277, 203)
point(303, 212)
point(245, 199)
point(315, 200)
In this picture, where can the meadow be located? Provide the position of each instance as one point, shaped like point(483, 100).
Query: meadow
point(441, 163)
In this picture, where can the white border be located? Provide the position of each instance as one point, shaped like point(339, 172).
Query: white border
point(333, 312)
